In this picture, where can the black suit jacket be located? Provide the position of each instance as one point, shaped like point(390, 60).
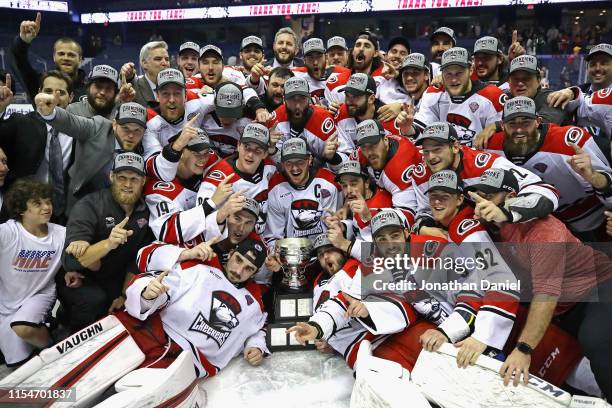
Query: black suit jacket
point(24, 139)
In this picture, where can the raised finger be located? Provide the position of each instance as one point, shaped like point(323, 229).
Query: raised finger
point(7, 81)
point(514, 36)
point(38, 19)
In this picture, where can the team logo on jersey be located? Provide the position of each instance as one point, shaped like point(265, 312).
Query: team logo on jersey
point(109, 222)
point(573, 136)
point(482, 159)
point(458, 119)
point(541, 167)
point(306, 217)
point(333, 78)
point(503, 98)
point(224, 309)
point(327, 125)
point(430, 248)
point(603, 93)
point(164, 186)
point(474, 106)
point(466, 225)
point(430, 309)
point(322, 299)
point(142, 222)
point(216, 175)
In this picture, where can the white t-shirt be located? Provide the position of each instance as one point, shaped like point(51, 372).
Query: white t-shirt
point(27, 263)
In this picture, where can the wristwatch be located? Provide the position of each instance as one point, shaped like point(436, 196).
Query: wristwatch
point(524, 348)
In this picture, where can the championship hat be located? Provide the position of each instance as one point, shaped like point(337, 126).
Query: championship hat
point(519, 106)
point(455, 56)
point(296, 86)
point(385, 219)
point(527, 63)
point(104, 72)
point(131, 112)
point(360, 84)
point(440, 131)
point(189, 46)
point(336, 41)
point(369, 131)
point(228, 100)
point(294, 148)
point(170, 76)
point(251, 40)
point(446, 31)
point(313, 45)
point(256, 133)
point(496, 180)
point(445, 180)
point(129, 161)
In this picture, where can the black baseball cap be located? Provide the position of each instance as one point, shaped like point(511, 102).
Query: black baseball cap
point(399, 40)
point(254, 250)
point(371, 37)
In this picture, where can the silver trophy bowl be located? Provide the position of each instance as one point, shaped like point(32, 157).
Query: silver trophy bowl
point(295, 256)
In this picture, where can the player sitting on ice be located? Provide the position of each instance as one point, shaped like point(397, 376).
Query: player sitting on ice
point(212, 311)
point(30, 257)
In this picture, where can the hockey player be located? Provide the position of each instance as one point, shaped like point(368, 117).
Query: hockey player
point(239, 225)
point(175, 216)
point(442, 39)
point(599, 68)
point(321, 78)
point(299, 195)
point(249, 171)
point(414, 77)
point(177, 106)
point(337, 51)
point(227, 122)
point(390, 161)
point(187, 60)
point(489, 62)
point(299, 118)
point(360, 104)
point(480, 317)
point(564, 273)
point(441, 151)
point(30, 256)
point(251, 52)
point(469, 105)
point(564, 156)
point(212, 311)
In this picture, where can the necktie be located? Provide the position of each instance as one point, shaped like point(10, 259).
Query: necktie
point(56, 173)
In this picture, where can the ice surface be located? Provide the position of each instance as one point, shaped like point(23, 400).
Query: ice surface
point(288, 379)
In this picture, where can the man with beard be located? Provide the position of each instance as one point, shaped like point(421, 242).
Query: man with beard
point(67, 56)
point(563, 274)
point(360, 104)
point(390, 160)
point(349, 227)
point(285, 49)
point(524, 80)
point(299, 195)
point(599, 68)
point(321, 78)
point(105, 230)
point(442, 151)
point(213, 73)
point(187, 61)
point(98, 140)
point(365, 57)
point(398, 50)
point(102, 89)
point(211, 311)
point(489, 62)
point(153, 58)
point(337, 52)
point(247, 172)
point(469, 105)
point(251, 53)
point(441, 40)
point(275, 91)
point(299, 118)
point(175, 216)
point(564, 156)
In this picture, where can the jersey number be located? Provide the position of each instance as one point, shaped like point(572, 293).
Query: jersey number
point(486, 258)
point(162, 208)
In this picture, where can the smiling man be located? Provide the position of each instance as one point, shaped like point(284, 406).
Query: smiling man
point(102, 88)
point(285, 49)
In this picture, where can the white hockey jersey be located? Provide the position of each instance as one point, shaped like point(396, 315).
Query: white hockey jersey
point(391, 91)
point(223, 140)
point(580, 206)
point(229, 74)
point(159, 130)
point(160, 168)
point(321, 89)
point(594, 110)
point(469, 113)
point(297, 212)
point(28, 263)
point(203, 312)
point(473, 164)
point(256, 185)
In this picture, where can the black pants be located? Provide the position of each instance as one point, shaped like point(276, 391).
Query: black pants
point(591, 323)
point(83, 306)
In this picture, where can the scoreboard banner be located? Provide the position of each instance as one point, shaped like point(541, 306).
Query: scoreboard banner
point(296, 9)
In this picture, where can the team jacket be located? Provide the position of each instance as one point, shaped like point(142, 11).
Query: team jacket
point(202, 311)
point(223, 139)
point(333, 77)
point(319, 127)
point(469, 113)
point(594, 110)
point(473, 164)
point(580, 205)
point(175, 216)
point(348, 126)
point(296, 212)
point(159, 130)
point(395, 177)
point(346, 334)
point(256, 185)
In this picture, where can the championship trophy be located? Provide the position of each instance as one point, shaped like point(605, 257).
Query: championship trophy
point(293, 297)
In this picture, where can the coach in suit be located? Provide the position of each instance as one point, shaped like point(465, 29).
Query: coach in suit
point(285, 47)
point(153, 58)
point(35, 148)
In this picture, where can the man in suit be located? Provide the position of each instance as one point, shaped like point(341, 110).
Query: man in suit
point(35, 148)
point(286, 47)
point(153, 58)
point(67, 56)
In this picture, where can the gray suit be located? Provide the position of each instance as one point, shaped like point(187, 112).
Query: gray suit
point(94, 146)
point(144, 93)
point(83, 108)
